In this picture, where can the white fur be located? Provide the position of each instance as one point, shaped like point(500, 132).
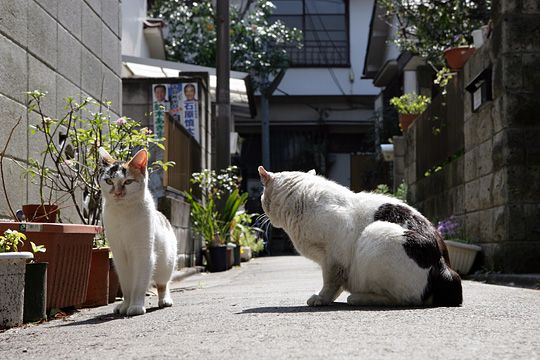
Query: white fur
point(142, 243)
point(334, 227)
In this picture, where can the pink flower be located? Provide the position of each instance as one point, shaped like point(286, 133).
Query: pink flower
point(121, 121)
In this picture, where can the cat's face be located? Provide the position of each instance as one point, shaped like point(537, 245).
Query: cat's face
point(121, 181)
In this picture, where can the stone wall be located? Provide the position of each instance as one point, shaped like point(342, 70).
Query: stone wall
point(66, 48)
point(494, 188)
point(502, 167)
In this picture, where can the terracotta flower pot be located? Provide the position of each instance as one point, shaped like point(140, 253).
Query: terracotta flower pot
point(98, 282)
point(68, 252)
point(458, 56)
point(405, 120)
point(40, 213)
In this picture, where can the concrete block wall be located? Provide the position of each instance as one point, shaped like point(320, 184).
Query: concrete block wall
point(189, 247)
point(66, 48)
point(502, 170)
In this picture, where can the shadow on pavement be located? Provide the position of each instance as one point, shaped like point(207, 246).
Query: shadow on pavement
point(336, 306)
point(101, 319)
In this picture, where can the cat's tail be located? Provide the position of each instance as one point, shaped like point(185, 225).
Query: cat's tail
point(445, 285)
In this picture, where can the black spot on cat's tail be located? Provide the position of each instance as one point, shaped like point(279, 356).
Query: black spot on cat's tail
point(444, 286)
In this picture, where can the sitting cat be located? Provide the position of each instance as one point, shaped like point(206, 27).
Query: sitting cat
point(382, 251)
point(141, 238)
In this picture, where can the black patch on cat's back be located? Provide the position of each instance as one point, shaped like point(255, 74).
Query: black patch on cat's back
point(420, 237)
point(426, 247)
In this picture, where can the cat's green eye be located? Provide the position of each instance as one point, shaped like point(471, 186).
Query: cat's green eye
point(128, 181)
point(109, 181)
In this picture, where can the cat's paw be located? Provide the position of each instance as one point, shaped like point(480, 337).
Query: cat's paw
point(121, 308)
point(166, 302)
point(135, 310)
point(316, 300)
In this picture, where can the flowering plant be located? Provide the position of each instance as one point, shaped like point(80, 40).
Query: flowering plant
point(213, 212)
point(68, 169)
point(451, 229)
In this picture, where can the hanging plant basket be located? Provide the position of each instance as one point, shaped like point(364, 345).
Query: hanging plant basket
point(458, 56)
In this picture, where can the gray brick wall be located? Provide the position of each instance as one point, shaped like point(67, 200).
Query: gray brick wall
point(67, 48)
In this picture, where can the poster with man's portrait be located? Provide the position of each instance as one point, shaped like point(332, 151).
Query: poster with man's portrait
point(160, 107)
point(179, 102)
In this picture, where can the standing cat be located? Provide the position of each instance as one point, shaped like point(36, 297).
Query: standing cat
point(376, 247)
point(141, 238)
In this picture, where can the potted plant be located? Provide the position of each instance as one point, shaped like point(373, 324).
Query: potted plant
point(409, 106)
point(246, 236)
point(460, 251)
point(12, 271)
point(426, 28)
point(213, 210)
point(457, 55)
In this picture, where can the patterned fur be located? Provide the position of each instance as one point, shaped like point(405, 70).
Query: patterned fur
point(141, 238)
point(379, 249)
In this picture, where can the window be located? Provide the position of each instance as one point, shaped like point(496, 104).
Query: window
point(324, 24)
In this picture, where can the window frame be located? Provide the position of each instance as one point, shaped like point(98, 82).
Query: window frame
point(307, 64)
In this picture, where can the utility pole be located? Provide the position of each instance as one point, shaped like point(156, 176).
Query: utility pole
point(267, 89)
point(223, 99)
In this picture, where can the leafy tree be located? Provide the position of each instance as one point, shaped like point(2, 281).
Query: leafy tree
point(258, 46)
point(428, 27)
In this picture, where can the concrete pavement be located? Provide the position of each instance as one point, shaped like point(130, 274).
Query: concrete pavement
point(259, 311)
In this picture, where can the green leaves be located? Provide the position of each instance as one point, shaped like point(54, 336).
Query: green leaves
point(213, 214)
point(70, 163)
point(428, 27)
point(257, 45)
point(11, 240)
point(410, 103)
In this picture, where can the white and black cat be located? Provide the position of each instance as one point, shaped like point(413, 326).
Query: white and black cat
point(142, 240)
point(381, 250)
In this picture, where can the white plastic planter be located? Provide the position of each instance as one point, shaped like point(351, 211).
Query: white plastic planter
point(12, 270)
point(245, 254)
point(461, 255)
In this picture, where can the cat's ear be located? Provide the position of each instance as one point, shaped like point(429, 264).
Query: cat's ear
point(312, 172)
point(106, 158)
point(139, 161)
point(266, 176)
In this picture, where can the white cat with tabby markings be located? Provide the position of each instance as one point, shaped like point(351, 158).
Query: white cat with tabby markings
point(141, 238)
point(376, 247)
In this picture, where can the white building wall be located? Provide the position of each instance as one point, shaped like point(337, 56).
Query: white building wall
point(133, 40)
point(337, 81)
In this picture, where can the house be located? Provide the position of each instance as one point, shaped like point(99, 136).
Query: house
point(321, 114)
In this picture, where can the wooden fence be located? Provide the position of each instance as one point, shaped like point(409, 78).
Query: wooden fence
point(184, 150)
point(439, 130)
